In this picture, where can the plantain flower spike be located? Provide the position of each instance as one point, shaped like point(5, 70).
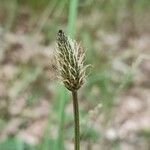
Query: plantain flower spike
point(70, 62)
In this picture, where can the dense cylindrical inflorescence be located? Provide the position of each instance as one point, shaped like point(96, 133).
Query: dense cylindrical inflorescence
point(70, 62)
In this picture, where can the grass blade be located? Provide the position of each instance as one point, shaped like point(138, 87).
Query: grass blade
point(72, 17)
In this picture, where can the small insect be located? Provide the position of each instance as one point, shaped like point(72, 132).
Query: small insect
point(60, 34)
point(60, 31)
point(61, 38)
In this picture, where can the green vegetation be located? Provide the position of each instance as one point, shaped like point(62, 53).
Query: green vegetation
point(113, 34)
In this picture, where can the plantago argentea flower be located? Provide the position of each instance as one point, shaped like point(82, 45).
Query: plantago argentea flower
point(70, 59)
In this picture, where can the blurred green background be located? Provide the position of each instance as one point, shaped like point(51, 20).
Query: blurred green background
point(35, 108)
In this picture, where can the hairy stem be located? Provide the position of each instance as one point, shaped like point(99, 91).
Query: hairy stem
point(76, 121)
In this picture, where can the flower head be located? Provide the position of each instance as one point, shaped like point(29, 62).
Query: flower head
point(70, 61)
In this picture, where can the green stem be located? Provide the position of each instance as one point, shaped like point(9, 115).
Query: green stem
point(76, 121)
point(73, 10)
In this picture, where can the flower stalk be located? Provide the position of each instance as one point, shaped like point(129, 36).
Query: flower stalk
point(76, 120)
point(70, 62)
